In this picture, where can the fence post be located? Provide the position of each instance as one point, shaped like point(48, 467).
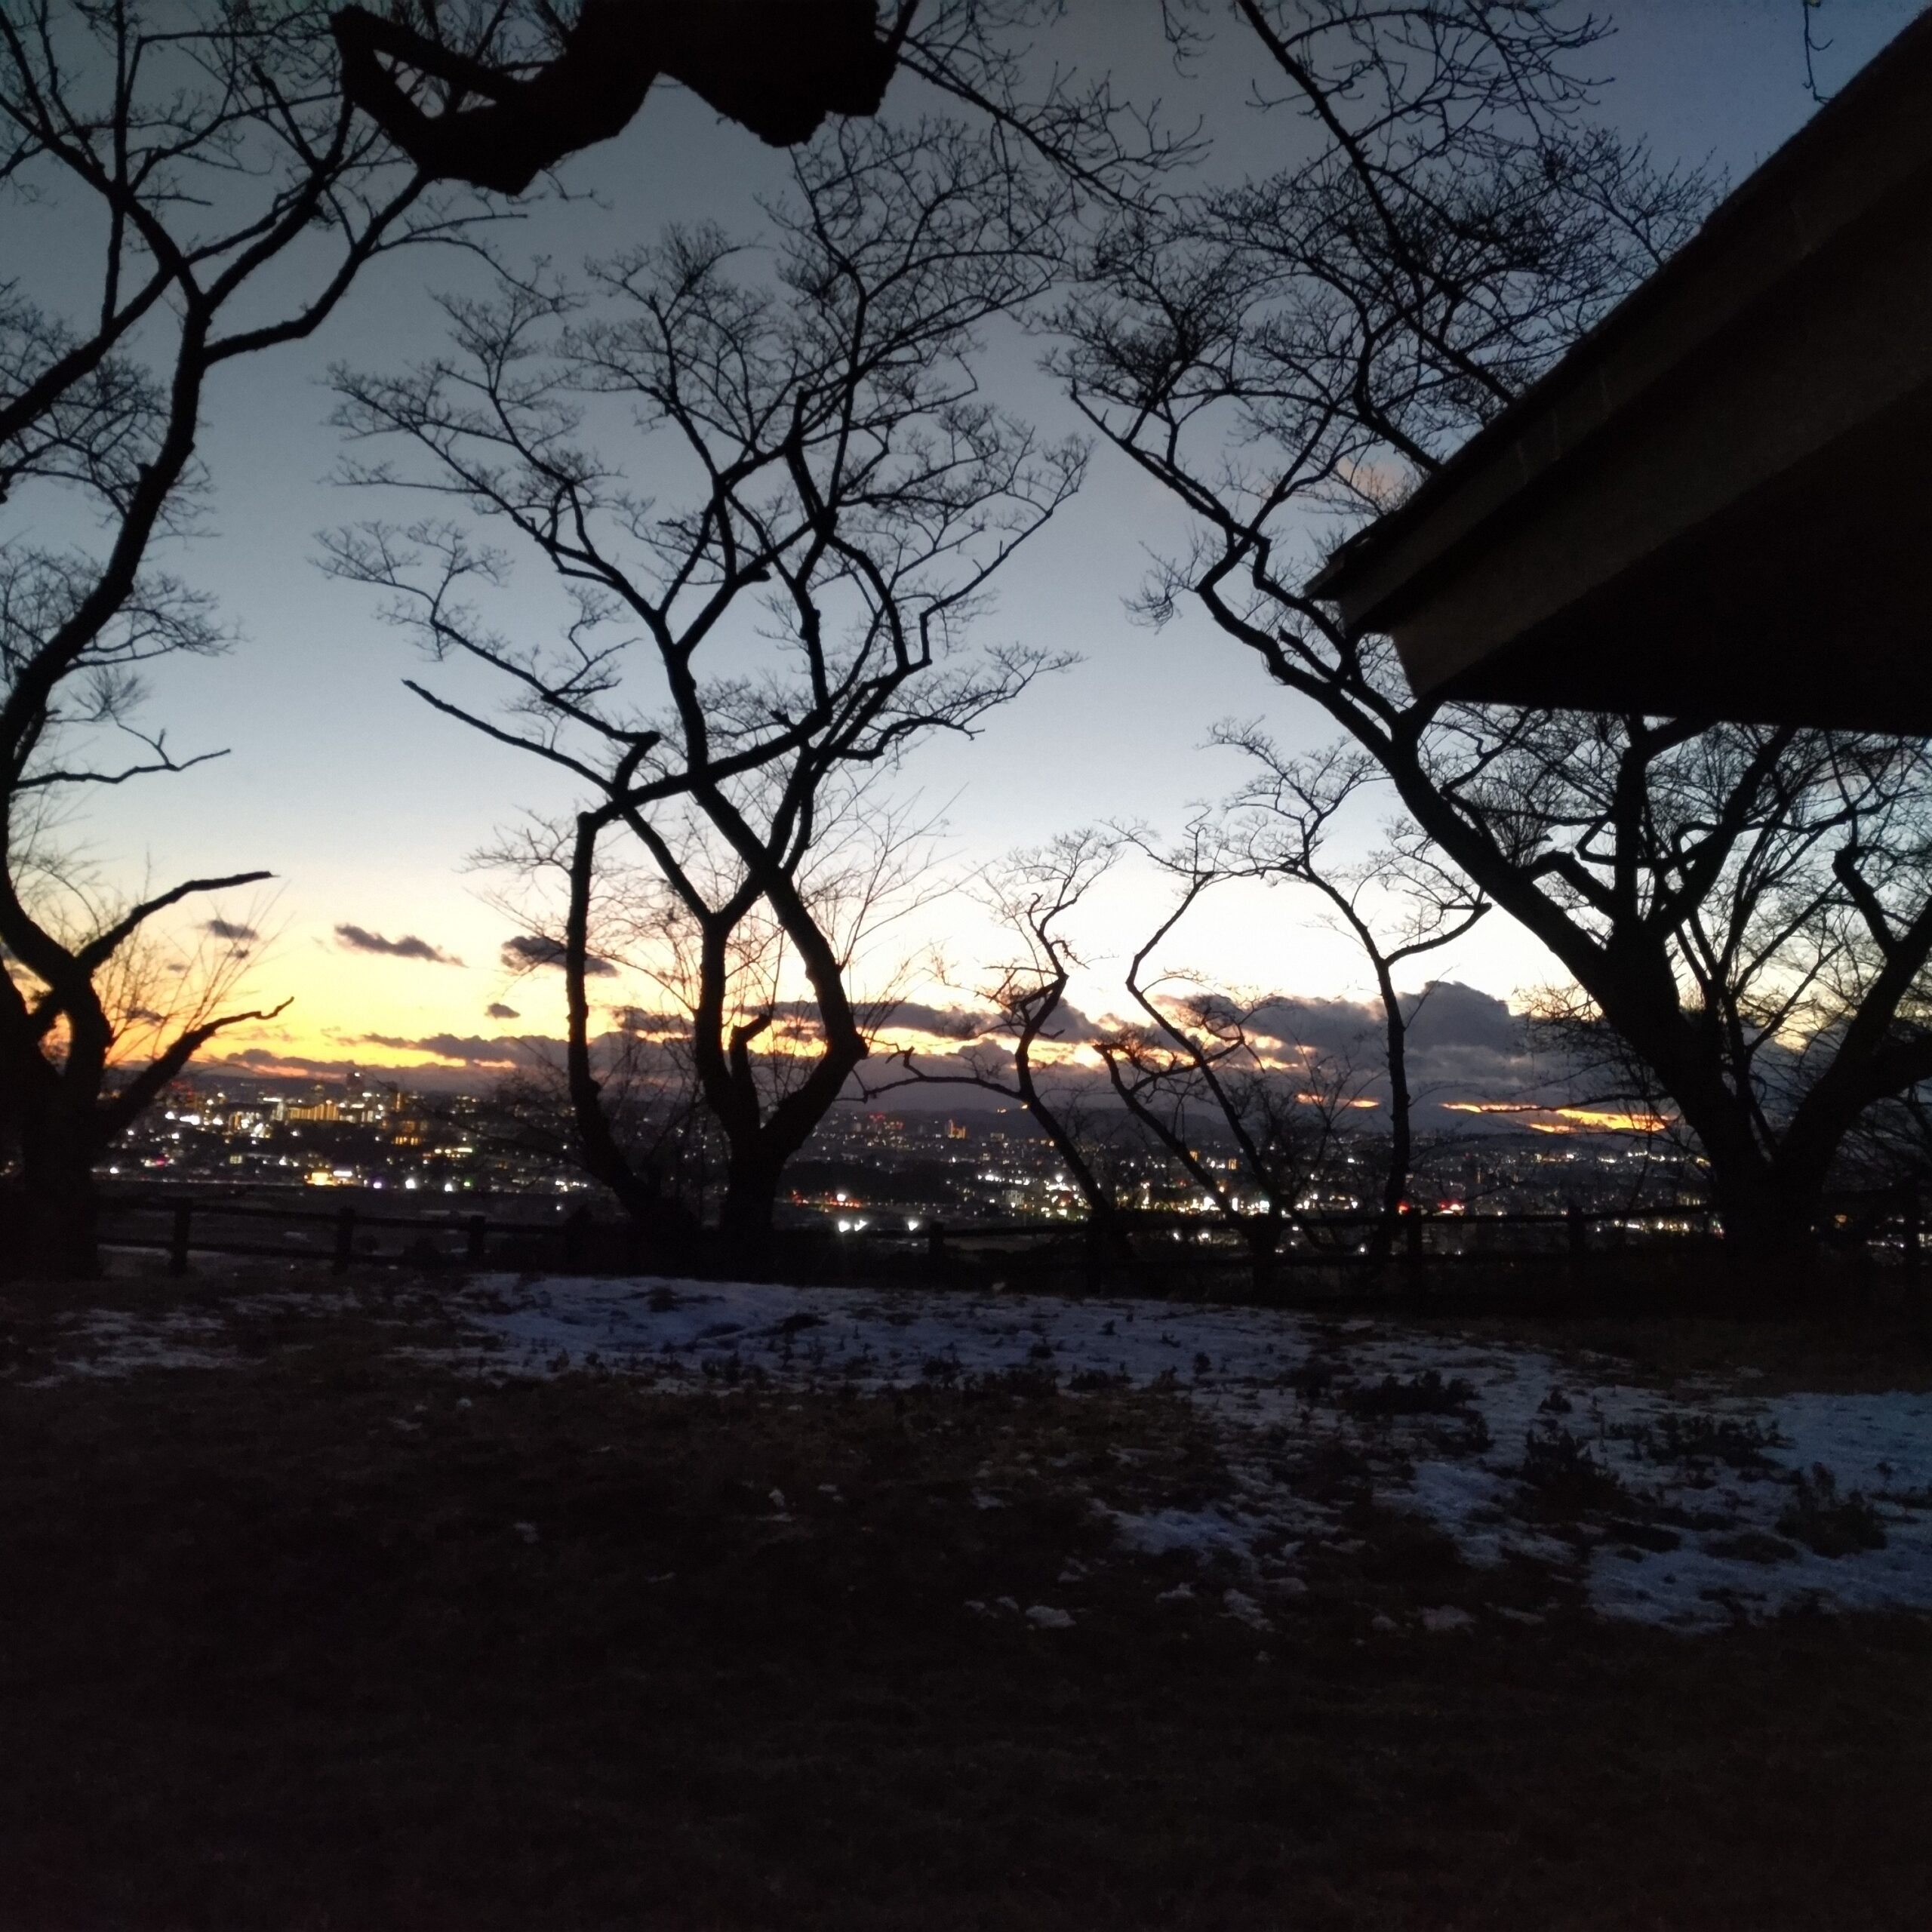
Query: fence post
point(936, 1249)
point(177, 1245)
point(1579, 1229)
point(1913, 1256)
point(344, 1236)
point(1412, 1237)
point(479, 1230)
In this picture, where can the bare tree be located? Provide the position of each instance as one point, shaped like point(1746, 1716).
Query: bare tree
point(1284, 816)
point(1196, 1050)
point(1014, 1051)
point(1307, 346)
point(1206, 1069)
point(223, 199)
point(1783, 873)
point(721, 1045)
point(825, 468)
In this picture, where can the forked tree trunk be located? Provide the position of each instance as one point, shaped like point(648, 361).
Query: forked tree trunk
point(667, 1228)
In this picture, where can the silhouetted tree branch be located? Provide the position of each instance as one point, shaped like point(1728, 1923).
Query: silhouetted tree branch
point(831, 476)
point(1286, 813)
point(1197, 1050)
point(1311, 345)
point(1034, 895)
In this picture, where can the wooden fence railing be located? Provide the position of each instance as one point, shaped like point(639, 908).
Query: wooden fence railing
point(577, 1242)
point(186, 1225)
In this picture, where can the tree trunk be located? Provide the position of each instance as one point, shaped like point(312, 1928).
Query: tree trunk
point(1769, 1225)
point(1264, 1247)
point(1401, 1151)
point(668, 1231)
point(1768, 1214)
point(49, 1225)
point(1107, 1245)
point(751, 1176)
point(1770, 1204)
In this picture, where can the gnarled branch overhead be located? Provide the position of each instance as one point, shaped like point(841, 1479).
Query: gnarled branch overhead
point(778, 68)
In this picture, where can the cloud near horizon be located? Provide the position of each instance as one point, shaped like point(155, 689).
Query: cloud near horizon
point(1464, 1046)
point(471, 1050)
point(270, 1061)
point(529, 950)
point(1068, 1027)
point(644, 1023)
point(458, 1064)
point(229, 929)
point(497, 1009)
point(359, 939)
point(1470, 1062)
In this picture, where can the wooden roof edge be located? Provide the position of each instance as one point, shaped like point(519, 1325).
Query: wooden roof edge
point(1903, 67)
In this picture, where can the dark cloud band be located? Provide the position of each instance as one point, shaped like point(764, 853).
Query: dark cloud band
point(359, 939)
point(529, 950)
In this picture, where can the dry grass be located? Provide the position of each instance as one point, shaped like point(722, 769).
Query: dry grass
point(278, 1652)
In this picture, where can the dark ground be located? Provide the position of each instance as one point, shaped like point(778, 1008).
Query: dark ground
point(340, 1639)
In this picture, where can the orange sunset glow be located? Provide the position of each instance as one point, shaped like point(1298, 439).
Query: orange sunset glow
point(1565, 1120)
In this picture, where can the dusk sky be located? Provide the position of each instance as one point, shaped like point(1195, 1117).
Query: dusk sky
point(367, 805)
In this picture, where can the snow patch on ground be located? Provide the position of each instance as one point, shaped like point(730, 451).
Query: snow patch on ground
point(102, 1342)
point(1220, 1529)
point(107, 1343)
point(1661, 1507)
point(1692, 1508)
